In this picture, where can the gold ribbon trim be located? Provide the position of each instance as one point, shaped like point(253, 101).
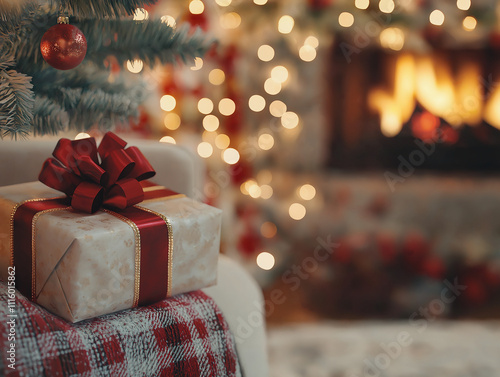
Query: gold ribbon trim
point(137, 250)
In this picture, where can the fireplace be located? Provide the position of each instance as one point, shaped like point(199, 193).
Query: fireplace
point(382, 105)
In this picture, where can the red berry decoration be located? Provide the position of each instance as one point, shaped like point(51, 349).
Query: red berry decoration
point(63, 46)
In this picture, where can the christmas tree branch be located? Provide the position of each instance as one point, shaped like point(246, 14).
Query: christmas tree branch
point(102, 8)
point(49, 117)
point(97, 108)
point(16, 104)
point(49, 81)
point(83, 97)
point(12, 12)
point(12, 23)
point(152, 41)
point(81, 109)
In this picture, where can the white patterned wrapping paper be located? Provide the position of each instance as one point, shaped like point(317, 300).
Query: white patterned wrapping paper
point(85, 263)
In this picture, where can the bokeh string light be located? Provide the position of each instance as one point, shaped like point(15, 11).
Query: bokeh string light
point(436, 17)
point(267, 119)
point(168, 102)
point(135, 66)
point(265, 260)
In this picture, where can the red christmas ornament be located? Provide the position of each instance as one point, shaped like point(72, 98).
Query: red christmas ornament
point(63, 46)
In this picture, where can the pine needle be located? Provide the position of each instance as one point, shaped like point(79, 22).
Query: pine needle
point(152, 42)
point(99, 9)
point(16, 104)
point(49, 117)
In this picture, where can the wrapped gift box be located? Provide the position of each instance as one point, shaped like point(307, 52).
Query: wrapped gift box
point(86, 263)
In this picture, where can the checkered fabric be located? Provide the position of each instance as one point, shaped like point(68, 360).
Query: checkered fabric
point(183, 336)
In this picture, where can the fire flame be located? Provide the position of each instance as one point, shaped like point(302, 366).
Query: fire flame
point(429, 80)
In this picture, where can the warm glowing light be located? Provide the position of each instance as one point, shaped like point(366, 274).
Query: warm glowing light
point(393, 38)
point(265, 260)
point(297, 211)
point(279, 74)
point(390, 124)
point(243, 188)
point(362, 4)
point(260, 2)
point(277, 108)
point(268, 229)
point(285, 24)
point(265, 53)
point(266, 142)
point(492, 109)
point(307, 192)
point(141, 14)
point(264, 176)
point(222, 141)
point(167, 139)
point(210, 123)
point(435, 88)
point(82, 135)
point(266, 192)
point(167, 102)
point(169, 20)
point(463, 4)
point(196, 7)
point(135, 66)
point(386, 6)
point(272, 87)
point(396, 107)
point(248, 184)
point(346, 19)
point(454, 94)
point(230, 20)
point(227, 106)
point(205, 149)
point(198, 63)
point(256, 103)
point(469, 23)
point(290, 120)
point(436, 17)
point(172, 121)
point(216, 76)
point(254, 191)
point(205, 105)
point(307, 53)
point(468, 96)
point(231, 156)
point(223, 3)
point(424, 126)
point(311, 41)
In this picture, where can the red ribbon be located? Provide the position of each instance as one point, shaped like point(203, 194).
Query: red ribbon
point(22, 239)
point(153, 230)
point(114, 182)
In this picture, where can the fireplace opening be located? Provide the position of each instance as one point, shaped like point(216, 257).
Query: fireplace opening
point(384, 105)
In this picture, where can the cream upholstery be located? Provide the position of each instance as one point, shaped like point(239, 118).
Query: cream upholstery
point(236, 293)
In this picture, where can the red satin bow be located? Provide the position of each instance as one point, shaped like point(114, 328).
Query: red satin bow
point(113, 183)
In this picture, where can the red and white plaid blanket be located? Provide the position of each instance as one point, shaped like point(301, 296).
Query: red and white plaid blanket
point(182, 336)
